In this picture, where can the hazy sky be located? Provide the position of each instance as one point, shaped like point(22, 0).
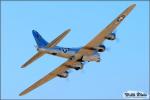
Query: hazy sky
point(124, 66)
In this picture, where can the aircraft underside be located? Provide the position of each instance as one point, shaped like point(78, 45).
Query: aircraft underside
point(70, 53)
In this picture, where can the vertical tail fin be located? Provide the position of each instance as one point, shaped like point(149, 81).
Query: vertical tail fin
point(42, 43)
point(39, 39)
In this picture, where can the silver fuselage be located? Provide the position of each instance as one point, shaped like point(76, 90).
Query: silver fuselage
point(69, 52)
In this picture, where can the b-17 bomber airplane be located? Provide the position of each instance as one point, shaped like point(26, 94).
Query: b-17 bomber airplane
point(76, 56)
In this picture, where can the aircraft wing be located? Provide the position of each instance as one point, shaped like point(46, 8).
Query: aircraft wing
point(58, 39)
point(63, 67)
point(35, 57)
point(108, 30)
point(49, 45)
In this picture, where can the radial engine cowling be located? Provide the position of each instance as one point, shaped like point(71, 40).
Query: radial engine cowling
point(111, 36)
point(100, 48)
point(63, 74)
point(76, 66)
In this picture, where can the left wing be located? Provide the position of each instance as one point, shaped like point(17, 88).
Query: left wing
point(49, 76)
point(101, 36)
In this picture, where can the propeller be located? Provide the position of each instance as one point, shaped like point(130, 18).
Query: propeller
point(69, 71)
point(108, 49)
point(68, 79)
point(83, 69)
point(84, 62)
point(117, 39)
point(114, 32)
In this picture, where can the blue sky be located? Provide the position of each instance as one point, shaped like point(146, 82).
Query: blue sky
point(125, 66)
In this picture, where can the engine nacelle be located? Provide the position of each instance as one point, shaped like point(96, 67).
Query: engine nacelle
point(111, 36)
point(100, 48)
point(63, 74)
point(93, 57)
point(77, 66)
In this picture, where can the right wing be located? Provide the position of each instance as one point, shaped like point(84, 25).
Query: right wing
point(88, 48)
point(49, 76)
point(49, 45)
point(109, 29)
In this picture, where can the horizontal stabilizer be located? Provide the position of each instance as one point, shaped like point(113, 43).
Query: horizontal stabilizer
point(58, 39)
point(35, 57)
point(42, 43)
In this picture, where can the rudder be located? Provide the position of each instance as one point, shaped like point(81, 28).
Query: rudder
point(41, 42)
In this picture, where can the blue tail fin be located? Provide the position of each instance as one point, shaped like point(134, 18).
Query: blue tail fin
point(39, 39)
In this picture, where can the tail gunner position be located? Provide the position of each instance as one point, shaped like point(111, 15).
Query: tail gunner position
point(76, 56)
